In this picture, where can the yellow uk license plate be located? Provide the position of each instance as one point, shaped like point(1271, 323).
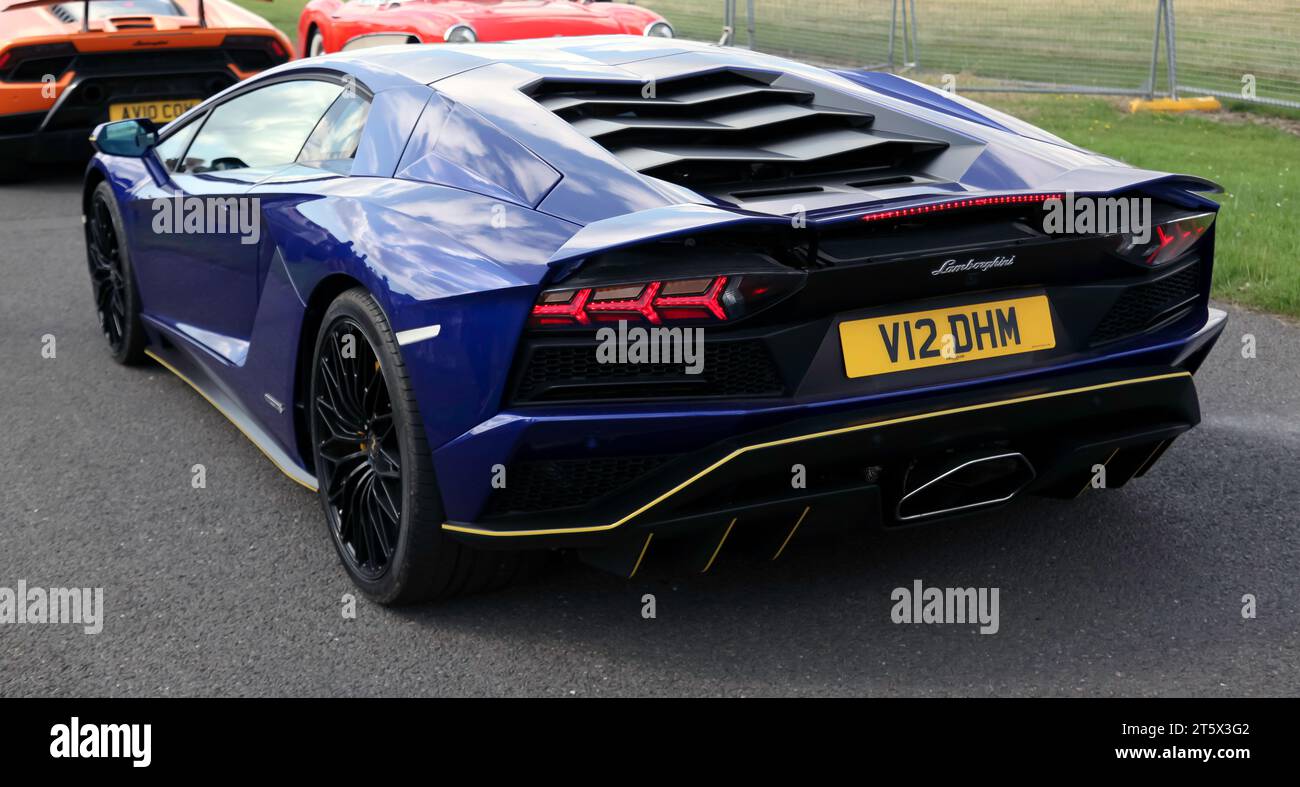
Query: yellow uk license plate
point(882, 345)
point(157, 111)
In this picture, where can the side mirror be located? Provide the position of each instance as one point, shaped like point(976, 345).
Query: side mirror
point(132, 138)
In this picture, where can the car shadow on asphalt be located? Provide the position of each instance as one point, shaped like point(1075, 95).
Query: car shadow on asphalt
point(1114, 583)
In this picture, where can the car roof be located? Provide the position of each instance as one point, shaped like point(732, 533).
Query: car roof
point(574, 57)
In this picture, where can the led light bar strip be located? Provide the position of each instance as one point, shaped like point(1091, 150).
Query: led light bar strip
point(972, 202)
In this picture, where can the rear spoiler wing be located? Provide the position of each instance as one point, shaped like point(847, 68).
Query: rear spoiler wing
point(18, 5)
point(677, 220)
point(650, 225)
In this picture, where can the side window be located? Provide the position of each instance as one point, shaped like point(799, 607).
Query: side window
point(262, 128)
point(333, 144)
point(171, 149)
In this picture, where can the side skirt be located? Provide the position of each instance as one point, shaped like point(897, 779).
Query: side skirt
point(195, 377)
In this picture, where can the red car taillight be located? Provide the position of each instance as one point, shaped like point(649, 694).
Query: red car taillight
point(32, 63)
point(1167, 241)
point(655, 302)
point(255, 53)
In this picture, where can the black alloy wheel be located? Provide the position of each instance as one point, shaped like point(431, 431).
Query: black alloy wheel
point(374, 469)
point(359, 453)
point(116, 299)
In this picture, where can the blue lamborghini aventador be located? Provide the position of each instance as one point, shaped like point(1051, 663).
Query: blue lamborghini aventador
point(646, 299)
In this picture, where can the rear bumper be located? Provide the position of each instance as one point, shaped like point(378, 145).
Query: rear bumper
point(63, 133)
point(58, 130)
point(855, 455)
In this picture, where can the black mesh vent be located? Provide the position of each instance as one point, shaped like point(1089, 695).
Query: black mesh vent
point(155, 62)
point(573, 373)
point(133, 22)
point(546, 485)
point(37, 69)
point(725, 127)
point(1147, 305)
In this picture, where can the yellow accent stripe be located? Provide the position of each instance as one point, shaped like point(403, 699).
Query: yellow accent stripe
point(221, 410)
point(641, 557)
point(718, 548)
point(800, 438)
point(791, 535)
point(1146, 463)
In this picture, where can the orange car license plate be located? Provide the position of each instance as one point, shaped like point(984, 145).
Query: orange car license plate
point(157, 111)
point(883, 345)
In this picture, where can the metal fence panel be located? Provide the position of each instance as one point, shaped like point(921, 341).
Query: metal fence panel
point(1222, 41)
point(698, 20)
point(1084, 43)
point(1055, 45)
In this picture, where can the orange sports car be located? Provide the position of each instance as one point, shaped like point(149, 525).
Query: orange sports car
point(65, 67)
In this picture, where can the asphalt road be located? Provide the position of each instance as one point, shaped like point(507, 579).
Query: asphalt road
point(235, 589)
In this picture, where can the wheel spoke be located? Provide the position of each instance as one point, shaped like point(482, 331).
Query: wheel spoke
point(339, 425)
point(337, 391)
point(366, 523)
point(378, 515)
point(102, 269)
point(348, 379)
point(384, 499)
point(358, 455)
point(106, 275)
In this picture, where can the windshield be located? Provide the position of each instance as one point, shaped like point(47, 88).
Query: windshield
point(105, 9)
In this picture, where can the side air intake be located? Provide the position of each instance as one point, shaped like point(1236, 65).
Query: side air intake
point(728, 129)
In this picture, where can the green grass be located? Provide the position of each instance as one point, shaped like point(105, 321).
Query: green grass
point(1099, 43)
point(281, 13)
point(1258, 235)
point(1257, 246)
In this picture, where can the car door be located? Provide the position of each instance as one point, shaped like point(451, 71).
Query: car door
point(199, 233)
point(358, 17)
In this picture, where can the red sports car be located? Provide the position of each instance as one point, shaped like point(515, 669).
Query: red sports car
point(332, 25)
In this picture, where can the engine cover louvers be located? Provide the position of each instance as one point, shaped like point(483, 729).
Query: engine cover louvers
point(727, 129)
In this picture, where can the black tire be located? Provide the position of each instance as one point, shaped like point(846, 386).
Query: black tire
point(112, 279)
point(357, 488)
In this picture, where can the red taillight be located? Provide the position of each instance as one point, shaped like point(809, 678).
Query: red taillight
point(611, 304)
point(255, 53)
point(1174, 239)
point(683, 300)
point(553, 309)
point(972, 202)
point(654, 302)
point(53, 59)
point(1168, 241)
